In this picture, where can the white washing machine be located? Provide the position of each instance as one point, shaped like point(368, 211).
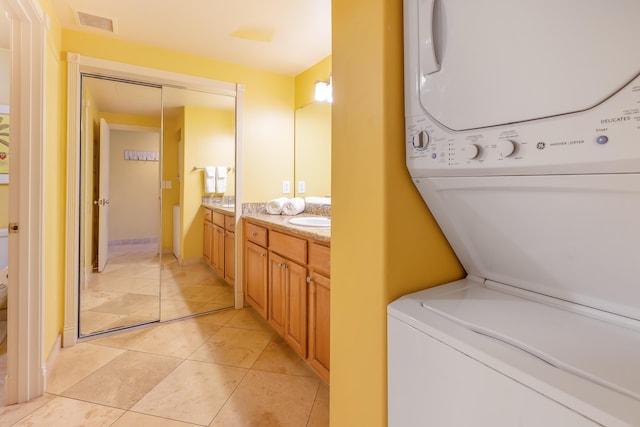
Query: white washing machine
point(523, 138)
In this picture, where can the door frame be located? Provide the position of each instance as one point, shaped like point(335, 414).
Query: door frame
point(78, 65)
point(25, 327)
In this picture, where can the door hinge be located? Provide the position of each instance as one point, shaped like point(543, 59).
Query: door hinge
point(13, 227)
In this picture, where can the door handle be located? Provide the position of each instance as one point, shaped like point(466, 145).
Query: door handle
point(101, 202)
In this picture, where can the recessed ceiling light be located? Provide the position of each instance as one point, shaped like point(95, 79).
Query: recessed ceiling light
point(94, 21)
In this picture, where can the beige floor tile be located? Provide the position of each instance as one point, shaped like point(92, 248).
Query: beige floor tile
point(77, 362)
point(193, 393)
point(9, 415)
point(132, 305)
point(279, 357)
point(247, 318)
point(133, 419)
point(320, 412)
point(90, 298)
point(70, 413)
point(194, 292)
point(176, 309)
point(177, 339)
point(91, 321)
point(123, 381)
point(233, 346)
point(219, 318)
point(268, 399)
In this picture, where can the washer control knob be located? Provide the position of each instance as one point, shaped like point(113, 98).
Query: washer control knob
point(421, 140)
point(472, 151)
point(507, 148)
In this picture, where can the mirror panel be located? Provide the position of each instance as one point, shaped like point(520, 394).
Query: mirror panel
point(120, 205)
point(313, 150)
point(199, 131)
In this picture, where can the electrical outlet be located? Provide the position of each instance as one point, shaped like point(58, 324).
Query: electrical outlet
point(286, 187)
point(301, 187)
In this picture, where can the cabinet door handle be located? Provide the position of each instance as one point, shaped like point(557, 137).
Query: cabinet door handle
point(263, 254)
point(254, 234)
point(309, 279)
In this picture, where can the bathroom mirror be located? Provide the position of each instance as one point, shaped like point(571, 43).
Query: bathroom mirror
point(312, 166)
point(140, 201)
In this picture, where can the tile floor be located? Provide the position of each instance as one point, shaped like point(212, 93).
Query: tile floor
point(222, 369)
point(129, 292)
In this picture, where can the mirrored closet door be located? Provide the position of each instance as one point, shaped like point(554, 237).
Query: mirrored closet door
point(142, 150)
point(120, 210)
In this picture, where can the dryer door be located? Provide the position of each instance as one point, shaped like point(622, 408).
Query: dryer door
point(479, 64)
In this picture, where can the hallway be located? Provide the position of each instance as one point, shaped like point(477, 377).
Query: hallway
point(222, 369)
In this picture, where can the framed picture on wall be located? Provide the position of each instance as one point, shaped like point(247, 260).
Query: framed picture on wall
point(4, 144)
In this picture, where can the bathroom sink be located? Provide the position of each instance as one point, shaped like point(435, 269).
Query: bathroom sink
point(228, 205)
point(311, 221)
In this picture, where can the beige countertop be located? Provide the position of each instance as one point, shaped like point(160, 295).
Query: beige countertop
point(219, 208)
point(281, 223)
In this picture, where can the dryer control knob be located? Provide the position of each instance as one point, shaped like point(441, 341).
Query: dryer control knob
point(471, 151)
point(507, 148)
point(421, 140)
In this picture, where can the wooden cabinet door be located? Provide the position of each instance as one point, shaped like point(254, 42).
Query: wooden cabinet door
point(319, 323)
point(277, 292)
point(207, 242)
point(217, 250)
point(256, 276)
point(296, 308)
point(229, 256)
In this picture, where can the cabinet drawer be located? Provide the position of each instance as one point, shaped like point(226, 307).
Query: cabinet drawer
point(218, 219)
point(229, 223)
point(207, 214)
point(320, 258)
point(291, 247)
point(256, 234)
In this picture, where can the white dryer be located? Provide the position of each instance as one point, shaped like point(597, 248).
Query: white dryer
point(523, 137)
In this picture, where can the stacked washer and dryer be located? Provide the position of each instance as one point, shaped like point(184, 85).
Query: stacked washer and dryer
point(523, 138)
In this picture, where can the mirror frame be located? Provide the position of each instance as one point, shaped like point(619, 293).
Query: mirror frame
point(78, 65)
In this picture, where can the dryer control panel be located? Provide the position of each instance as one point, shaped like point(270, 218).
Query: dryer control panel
point(604, 139)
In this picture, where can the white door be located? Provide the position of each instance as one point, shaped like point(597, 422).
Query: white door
point(103, 196)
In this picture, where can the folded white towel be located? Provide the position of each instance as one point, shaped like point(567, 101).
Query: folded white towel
point(293, 206)
point(318, 200)
point(221, 179)
point(274, 207)
point(209, 171)
point(209, 179)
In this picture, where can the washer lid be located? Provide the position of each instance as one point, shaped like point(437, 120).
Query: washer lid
point(504, 61)
point(598, 351)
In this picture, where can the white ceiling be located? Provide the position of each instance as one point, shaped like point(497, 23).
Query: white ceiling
point(299, 30)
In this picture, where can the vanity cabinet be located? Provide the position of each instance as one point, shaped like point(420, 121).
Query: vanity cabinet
point(229, 248)
point(207, 235)
point(319, 308)
point(288, 289)
point(286, 279)
point(256, 267)
point(218, 248)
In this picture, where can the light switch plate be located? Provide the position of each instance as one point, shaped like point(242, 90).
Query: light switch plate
point(286, 187)
point(301, 187)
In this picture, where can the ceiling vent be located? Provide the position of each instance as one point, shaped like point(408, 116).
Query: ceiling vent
point(98, 22)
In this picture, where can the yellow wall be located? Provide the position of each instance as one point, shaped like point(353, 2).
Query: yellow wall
point(268, 112)
point(172, 128)
point(394, 249)
point(305, 81)
point(5, 65)
point(313, 148)
point(54, 158)
point(208, 141)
